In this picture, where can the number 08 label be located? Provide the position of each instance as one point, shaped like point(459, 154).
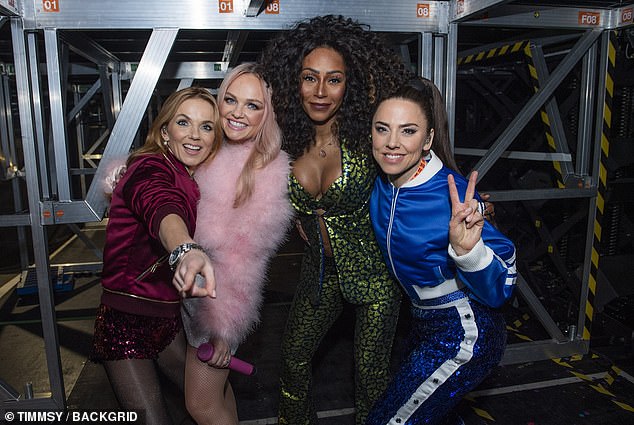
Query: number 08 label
point(272, 7)
point(422, 10)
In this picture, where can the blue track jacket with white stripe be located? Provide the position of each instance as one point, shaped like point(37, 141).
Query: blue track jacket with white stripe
point(411, 224)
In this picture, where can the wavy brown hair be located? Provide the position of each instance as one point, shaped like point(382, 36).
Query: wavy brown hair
point(373, 71)
point(154, 142)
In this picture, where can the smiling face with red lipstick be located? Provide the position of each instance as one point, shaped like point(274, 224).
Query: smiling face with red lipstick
point(401, 137)
point(322, 84)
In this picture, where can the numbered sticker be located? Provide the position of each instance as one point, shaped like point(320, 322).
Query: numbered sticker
point(225, 6)
point(50, 5)
point(422, 10)
point(626, 16)
point(589, 18)
point(272, 7)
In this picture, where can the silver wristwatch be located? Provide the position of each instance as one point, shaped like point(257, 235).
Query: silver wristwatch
point(180, 250)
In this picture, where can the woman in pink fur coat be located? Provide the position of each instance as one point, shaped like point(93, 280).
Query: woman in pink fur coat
point(243, 217)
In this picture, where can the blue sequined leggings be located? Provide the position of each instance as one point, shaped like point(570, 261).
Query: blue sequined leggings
point(454, 347)
point(375, 327)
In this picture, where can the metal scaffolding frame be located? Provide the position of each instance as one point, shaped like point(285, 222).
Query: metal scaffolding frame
point(125, 91)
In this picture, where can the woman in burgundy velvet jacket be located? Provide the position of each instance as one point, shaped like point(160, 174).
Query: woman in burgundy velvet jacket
point(153, 214)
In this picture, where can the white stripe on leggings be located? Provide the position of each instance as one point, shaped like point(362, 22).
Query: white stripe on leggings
point(448, 368)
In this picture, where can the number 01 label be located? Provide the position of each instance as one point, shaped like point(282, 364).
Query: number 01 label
point(50, 5)
point(225, 6)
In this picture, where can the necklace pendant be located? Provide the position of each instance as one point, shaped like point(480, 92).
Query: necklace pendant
point(322, 153)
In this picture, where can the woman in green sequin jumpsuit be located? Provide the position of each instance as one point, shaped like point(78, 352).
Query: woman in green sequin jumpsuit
point(327, 74)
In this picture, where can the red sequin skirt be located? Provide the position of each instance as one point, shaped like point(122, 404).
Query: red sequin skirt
point(120, 335)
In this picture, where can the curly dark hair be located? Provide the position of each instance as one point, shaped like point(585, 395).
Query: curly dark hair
point(373, 71)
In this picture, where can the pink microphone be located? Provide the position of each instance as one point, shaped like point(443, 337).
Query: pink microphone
point(205, 351)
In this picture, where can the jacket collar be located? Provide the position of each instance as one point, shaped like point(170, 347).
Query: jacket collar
point(175, 163)
point(433, 166)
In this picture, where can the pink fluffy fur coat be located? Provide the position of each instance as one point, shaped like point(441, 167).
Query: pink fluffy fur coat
point(240, 241)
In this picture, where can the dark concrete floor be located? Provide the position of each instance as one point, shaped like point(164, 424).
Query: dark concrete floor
point(597, 388)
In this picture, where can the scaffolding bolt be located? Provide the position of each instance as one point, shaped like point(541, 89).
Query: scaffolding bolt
point(28, 390)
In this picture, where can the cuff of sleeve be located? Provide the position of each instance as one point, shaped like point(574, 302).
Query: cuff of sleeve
point(476, 259)
point(160, 214)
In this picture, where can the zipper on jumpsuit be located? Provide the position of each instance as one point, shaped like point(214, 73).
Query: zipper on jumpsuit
point(388, 236)
point(322, 254)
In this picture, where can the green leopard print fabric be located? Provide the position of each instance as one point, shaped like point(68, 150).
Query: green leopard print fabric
point(356, 274)
point(374, 330)
point(362, 273)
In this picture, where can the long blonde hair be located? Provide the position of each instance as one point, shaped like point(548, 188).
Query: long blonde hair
point(154, 142)
point(268, 138)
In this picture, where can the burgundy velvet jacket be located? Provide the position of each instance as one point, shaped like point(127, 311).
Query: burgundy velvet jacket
point(136, 277)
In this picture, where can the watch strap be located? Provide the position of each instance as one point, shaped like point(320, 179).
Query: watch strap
point(181, 250)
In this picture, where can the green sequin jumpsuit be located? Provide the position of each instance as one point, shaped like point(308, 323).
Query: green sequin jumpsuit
point(355, 274)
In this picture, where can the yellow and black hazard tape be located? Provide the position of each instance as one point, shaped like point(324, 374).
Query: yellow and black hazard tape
point(519, 47)
point(601, 186)
point(491, 53)
point(568, 362)
point(517, 324)
point(478, 410)
point(613, 373)
point(473, 404)
point(602, 386)
point(532, 70)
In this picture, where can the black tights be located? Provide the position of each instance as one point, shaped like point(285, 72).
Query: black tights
point(136, 383)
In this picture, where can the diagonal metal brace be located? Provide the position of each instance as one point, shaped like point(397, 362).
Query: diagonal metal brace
point(536, 102)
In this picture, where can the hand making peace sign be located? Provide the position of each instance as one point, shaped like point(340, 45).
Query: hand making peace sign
point(465, 226)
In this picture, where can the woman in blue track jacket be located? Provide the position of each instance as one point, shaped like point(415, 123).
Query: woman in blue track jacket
point(456, 268)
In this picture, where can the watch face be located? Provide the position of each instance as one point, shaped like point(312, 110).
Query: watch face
point(180, 250)
point(175, 255)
